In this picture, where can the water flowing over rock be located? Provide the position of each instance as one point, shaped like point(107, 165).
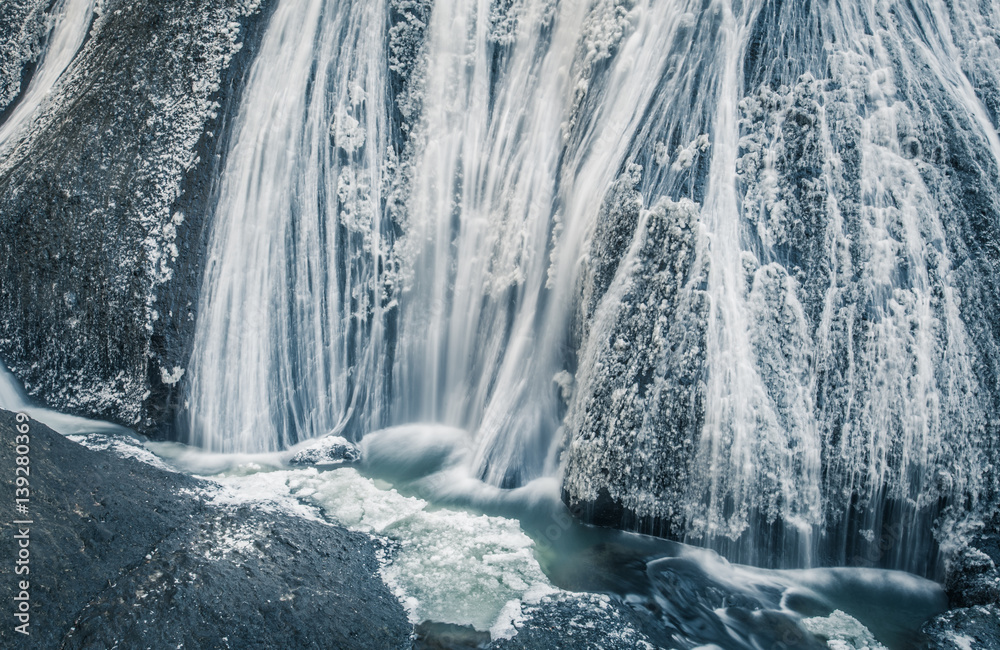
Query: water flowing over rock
point(729, 270)
point(639, 391)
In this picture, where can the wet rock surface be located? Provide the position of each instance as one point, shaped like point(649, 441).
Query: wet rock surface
point(959, 629)
point(973, 579)
point(584, 621)
point(122, 552)
point(563, 621)
point(331, 450)
point(973, 585)
point(628, 461)
point(845, 279)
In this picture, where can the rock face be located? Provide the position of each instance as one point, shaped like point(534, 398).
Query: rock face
point(973, 579)
point(122, 552)
point(584, 621)
point(859, 246)
point(103, 203)
point(959, 629)
point(973, 586)
point(561, 622)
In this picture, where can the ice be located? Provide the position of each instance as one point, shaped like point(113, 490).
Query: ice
point(456, 567)
point(842, 632)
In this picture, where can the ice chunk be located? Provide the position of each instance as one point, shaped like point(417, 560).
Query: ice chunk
point(842, 632)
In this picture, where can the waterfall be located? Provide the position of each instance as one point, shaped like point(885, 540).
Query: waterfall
point(296, 239)
point(509, 179)
point(705, 261)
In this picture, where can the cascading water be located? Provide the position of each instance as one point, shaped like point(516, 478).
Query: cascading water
point(72, 19)
point(511, 169)
point(703, 249)
point(825, 405)
point(297, 238)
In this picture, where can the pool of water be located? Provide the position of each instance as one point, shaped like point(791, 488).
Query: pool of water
point(470, 554)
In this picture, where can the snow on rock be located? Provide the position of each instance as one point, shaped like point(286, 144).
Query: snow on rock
point(637, 405)
point(570, 620)
point(23, 25)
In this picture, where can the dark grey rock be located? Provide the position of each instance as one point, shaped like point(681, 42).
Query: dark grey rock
point(125, 553)
point(961, 629)
point(447, 636)
point(639, 397)
point(973, 577)
point(613, 234)
point(577, 622)
point(407, 32)
point(563, 621)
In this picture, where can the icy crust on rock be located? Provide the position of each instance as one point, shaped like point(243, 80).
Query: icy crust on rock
point(969, 628)
point(88, 190)
point(330, 449)
point(973, 578)
point(616, 224)
point(856, 370)
point(121, 445)
point(23, 25)
point(407, 56)
point(407, 61)
point(605, 27)
point(844, 198)
point(639, 397)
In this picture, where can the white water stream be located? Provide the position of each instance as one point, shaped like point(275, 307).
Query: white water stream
point(71, 21)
